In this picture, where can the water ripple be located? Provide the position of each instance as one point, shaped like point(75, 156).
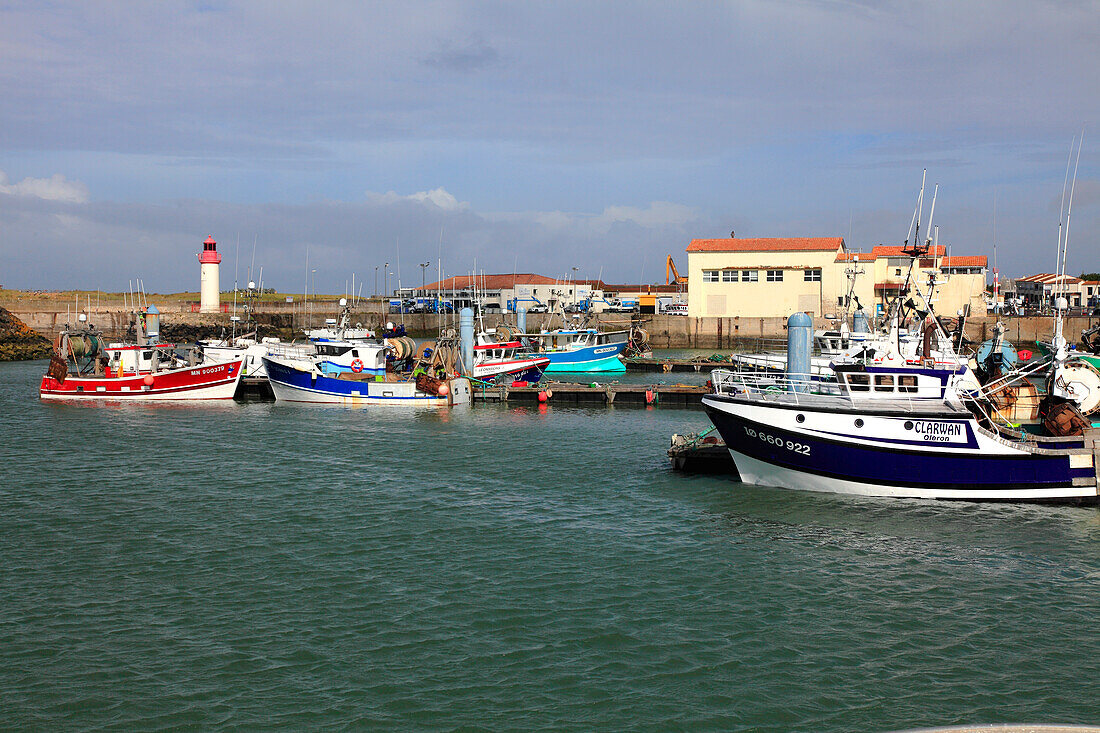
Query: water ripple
point(491, 568)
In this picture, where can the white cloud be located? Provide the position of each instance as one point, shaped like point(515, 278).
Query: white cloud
point(657, 214)
point(438, 197)
point(54, 188)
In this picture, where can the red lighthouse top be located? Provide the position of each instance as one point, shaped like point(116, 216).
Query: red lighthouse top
point(210, 252)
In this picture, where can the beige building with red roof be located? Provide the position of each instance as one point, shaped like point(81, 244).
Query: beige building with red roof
point(774, 277)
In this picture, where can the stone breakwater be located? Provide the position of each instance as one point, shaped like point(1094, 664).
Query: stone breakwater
point(48, 317)
point(18, 341)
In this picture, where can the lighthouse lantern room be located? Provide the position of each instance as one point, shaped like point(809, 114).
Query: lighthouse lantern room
point(209, 278)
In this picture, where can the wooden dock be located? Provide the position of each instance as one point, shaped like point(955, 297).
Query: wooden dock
point(569, 393)
point(255, 389)
point(665, 366)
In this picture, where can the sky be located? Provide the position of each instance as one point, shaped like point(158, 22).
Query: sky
point(530, 137)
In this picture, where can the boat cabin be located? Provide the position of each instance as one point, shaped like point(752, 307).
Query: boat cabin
point(573, 339)
point(130, 359)
point(871, 382)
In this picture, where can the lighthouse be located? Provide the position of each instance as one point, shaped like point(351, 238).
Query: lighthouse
point(209, 279)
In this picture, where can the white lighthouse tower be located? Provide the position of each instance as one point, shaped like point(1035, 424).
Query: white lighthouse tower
point(209, 278)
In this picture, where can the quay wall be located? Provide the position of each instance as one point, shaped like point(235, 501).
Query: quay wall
point(666, 331)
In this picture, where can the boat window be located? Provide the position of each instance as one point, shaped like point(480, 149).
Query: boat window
point(146, 355)
point(355, 352)
point(884, 382)
point(907, 383)
point(859, 382)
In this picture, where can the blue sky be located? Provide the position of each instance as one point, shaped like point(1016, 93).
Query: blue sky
point(533, 136)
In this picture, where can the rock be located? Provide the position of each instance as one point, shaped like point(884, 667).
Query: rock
point(18, 342)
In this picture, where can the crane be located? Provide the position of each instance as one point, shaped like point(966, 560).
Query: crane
point(670, 268)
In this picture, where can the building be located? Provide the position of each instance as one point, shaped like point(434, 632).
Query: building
point(209, 277)
point(774, 277)
point(512, 291)
point(1039, 291)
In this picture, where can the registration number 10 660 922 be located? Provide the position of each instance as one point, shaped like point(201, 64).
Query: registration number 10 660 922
point(791, 445)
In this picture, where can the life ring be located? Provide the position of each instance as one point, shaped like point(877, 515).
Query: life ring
point(357, 365)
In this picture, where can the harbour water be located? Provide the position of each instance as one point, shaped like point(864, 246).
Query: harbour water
point(494, 567)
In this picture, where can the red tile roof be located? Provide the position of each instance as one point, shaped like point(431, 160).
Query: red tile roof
point(490, 282)
point(773, 244)
point(965, 261)
point(643, 288)
point(1048, 277)
point(883, 250)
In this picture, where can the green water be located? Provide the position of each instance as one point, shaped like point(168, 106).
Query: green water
point(261, 566)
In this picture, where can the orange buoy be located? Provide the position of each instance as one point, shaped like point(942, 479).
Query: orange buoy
point(444, 390)
point(148, 380)
point(1024, 354)
point(543, 396)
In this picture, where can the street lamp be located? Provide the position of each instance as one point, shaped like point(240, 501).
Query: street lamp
point(386, 267)
point(376, 281)
point(423, 266)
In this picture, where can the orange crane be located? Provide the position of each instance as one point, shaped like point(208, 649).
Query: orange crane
point(670, 269)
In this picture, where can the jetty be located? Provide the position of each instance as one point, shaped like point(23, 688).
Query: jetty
point(570, 393)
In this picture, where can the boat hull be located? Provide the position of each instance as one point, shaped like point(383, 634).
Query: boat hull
point(526, 369)
point(925, 457)
point(295, 385)
point(205, 382)
point(598, 358)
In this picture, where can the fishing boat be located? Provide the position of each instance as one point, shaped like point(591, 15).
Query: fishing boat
point(580, 350)
point(497, 355)
point(83, 367)
point(891, 432)
point(296, 380)
point(902, 429)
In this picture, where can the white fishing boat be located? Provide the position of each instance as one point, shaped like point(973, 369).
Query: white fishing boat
point(302, 381)
point(901, 429)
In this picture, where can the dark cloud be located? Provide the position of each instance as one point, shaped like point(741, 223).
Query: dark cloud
point(474, 55)
point(769, 117)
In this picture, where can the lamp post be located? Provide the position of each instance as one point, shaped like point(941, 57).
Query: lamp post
point(313, 289)
point(423, 269)
point(386, 268)
point(376, 281)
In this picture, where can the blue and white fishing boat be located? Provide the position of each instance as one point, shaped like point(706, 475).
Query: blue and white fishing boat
point(902, 429)
point(580, 349)
point(297, 380)
point(891, 432)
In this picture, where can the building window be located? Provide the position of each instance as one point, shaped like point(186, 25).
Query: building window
point(750, 276)
point(812, 275)
point(710, 276)
point(775, 276)
point(729, 276)
point(897, 271)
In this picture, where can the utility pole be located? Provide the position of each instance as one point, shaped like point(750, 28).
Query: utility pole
point(386, 294)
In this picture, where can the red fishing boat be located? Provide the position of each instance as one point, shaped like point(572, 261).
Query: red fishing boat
point(83, 367)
